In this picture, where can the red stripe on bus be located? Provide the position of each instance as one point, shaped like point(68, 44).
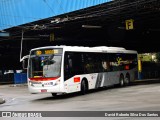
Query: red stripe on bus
point(76, 79)
point(43, 79)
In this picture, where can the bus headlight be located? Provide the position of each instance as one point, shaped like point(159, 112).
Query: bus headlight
point(57, 82)
point(31, 84)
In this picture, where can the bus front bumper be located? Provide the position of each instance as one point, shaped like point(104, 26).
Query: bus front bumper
point(54, 89)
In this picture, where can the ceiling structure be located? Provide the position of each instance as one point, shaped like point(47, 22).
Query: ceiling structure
point(101, 25)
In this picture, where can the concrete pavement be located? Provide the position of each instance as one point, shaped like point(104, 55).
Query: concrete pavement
point(139, 82)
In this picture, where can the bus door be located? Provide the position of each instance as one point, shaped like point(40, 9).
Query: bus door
point(103, 73)
point(106, 72)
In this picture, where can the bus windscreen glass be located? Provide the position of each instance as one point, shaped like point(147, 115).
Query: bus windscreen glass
point(45, 63)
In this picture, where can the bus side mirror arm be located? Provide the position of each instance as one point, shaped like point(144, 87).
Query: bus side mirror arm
point(24, 57)
point(23, 60)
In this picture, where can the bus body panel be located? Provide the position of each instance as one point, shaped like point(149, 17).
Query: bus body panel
point(73, 84)
point(96, 80)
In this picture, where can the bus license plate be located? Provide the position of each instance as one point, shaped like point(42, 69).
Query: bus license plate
point(43, 90)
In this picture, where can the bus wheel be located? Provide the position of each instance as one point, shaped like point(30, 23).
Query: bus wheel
point(84, 87)
point(127, 80)
point(54, 94)
point(121, 80)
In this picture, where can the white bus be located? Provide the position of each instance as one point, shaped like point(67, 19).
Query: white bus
point(68, 69)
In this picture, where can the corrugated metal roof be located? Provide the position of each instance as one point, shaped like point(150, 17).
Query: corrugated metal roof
point(17, 12)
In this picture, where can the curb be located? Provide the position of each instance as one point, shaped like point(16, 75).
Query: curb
point(2, 101)
point(18, 85)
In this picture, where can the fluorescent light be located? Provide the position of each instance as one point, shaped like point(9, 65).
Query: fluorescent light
point(91, 26)
point(4, 34)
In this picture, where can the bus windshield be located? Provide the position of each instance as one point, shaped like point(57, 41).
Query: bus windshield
point(45, 66)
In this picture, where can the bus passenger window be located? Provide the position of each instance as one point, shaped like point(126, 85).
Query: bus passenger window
point(106, 65)
point(67, 66)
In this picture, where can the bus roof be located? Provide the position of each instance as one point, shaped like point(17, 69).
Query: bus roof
point(104, 49)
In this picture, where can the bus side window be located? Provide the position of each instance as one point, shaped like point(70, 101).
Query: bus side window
point(106, 66)
point(88, 65)
point(69, 62)
point(73, 64)
point(67, 66)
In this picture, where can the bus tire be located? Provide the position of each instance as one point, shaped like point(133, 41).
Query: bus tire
point(84, 87)
point(54, 94)
point(121, 81)
point(127, 80)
